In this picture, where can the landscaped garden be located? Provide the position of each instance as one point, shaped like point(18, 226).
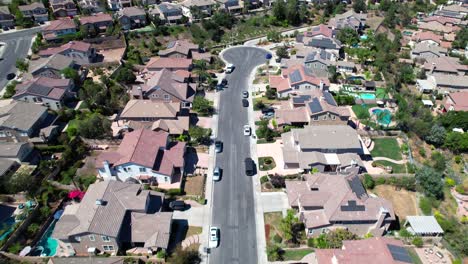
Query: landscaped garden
point(386, 147)
point(266, 163)
point(362, 111)
point(396, 168)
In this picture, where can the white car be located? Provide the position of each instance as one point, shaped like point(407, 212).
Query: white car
point(229, 68)
point(214, 237)
point(216, 174)
point(245, 94)
point(247, 130)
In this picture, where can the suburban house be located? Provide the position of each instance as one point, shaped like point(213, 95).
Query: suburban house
point(449, 83)
point(91, 6)
point(132, 17)
point(172, 64)
point(437, 27)
point(344, 66)
point(318, 62)
point(8, 167)
point(296, 80)
point(453, 11)
point(445, 65)
point(21, 121)
point(45, 91)
point(456, 101)
point(350, 19)
point(165, 86)
point(426, 86)
point(118, 4)
point(115, 216)
point(313, 108)
point(35, 11)
point(179, 49)
point(59, 28)
point(143, 156)
point(423, 225)
point(97, 23)
point(320, 31)
point(81, 52)
point(78, 260)
point(53, 66)
point(230, 6)
point(157, 116)
point(168, 12)
point(383, 250)
point(15, 151)
point(446, 21)
point(203, 6)
point(427, 37)
point(63, 8)
point(7, 20)
point(326, 148)
point(425, 50)
point(328, 201)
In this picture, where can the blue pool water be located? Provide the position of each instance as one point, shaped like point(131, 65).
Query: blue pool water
point(367, 96)
point(386, 118)
point(8, 223)
point(48, 243)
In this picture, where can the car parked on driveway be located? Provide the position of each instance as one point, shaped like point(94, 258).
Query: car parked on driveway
point(268, 110)
point(214, 237)
point(217, 174)
point(247, 130)
point(177, 205)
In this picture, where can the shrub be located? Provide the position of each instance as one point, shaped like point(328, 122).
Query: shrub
point(426, 205)
point(161, 254)
point(277, 238)
point(422, 152)
point(15, 248)
point(310, 242)
point(418, 242)
point(369, 182)
point(460, 189)
point(458, 159)
point(277, 181)
point(172, 192)
point(263, 179)
point(450, 182)
point(273, 253)
point(380, 181)
point(268, 185)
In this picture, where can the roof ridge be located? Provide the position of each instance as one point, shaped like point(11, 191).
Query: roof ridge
point(138, 141)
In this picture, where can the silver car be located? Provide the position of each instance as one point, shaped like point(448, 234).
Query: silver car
point(216, 174)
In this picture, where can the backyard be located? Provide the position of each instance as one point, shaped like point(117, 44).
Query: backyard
point(362, 111)
point(404, 202)
point(396, 168)
point(386, 147)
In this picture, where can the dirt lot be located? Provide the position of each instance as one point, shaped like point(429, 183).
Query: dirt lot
point(404, 202)
point(194, 185)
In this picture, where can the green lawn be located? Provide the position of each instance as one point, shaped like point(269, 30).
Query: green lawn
point(386, 147)
point(362, 111)
point(396, 168)
point(266, 163)
point(380, 93)
point(296, 254)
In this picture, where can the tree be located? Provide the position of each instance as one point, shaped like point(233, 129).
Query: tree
point(348, 36)
point(18, 182)
point(199, 135)
point(279, 10)
point(22, 65)
point(202, 106)
point(457, 142)
point(360, 6)
point(418, 242)
point(71, 73)
point(125, 75)
point(187, 256)
point(94, 126)
point(273, 253)
point(94, 94)
point(439, 161)
point(33, 228)
point(407, 74)
point(436, 135)
point(335, 238)
point(369, 182)
point(461, 39)
point(10, 90)
point(282, 52)
point(273, 36)
point(287, 224)
point(430, 182)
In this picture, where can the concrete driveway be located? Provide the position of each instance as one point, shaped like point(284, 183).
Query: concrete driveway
point(274, 150)
point(274, 202)
point(193, 215)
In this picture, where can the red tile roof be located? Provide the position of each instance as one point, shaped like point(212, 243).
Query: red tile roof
point(168, 63)
point(72, 45)
point(59, 24)
point(101, 17)
point(456, 101)
point(320, 30)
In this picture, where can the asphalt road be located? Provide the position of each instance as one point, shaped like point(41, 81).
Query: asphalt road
point(17, 47)
point(233, 201)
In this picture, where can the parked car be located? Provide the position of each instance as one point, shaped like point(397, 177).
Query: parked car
point(177, 205)
point(247, 130)
point(245, 103)
point(10, 76)
point(249, 167)
point(268, 110)
point(230, 68)
point(214, 237)
point(216, 174)
point(218, 146)
point(245, 94)
point(269, 114)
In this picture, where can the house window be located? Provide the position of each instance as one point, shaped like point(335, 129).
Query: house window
point(316, 118)
point(23, 134)
point(92, 238)
point(129, 169)
point(311, 231)
point(105, 238)
point(324, 117)
point(125, 169)
point(77, 238)
point(142, 169)
point(2, 134)
point(57, 105)
point(333, 117)
point(166, 179)
point(167, 97)
point(308, 87)
point(108, 247)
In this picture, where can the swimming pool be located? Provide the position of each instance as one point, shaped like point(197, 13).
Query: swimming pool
point(367, 96)
point(8, 223)
point(385, 118)
point(47, 243)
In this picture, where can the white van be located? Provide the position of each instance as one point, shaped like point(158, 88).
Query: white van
point(229, 68)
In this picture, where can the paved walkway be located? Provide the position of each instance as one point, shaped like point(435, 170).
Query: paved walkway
point(191, 240)
point(390, 160)
point(194, 215)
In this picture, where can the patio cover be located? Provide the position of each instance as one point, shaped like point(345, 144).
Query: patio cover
point(421, 225)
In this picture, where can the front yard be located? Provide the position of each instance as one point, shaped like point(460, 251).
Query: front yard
point(386, 147)
point(296, 254)
point(266, 163)
point(194, 185)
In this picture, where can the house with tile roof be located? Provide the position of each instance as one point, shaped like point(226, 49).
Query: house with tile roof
point(313, 108)
point(97, 22)
point(132, 17)
point(53, 66)
point(35, 11)
point(328, 201)
point(297, 80)
point(427, 37)
point(424, 50)
point(327, 148)
point(81, 52)
point(179, 49)
point(168, 12)
point(382, 250)
point(63, 8)
point(172, 64)
point(167, 87)
point(456, 102)
point(20, 121)
point(206, 7)
point(156, 116)
point(45, 91)
point(445, 65)
point(115, 216)
point(7, 20)
point(449, 83)
point(16, 151)
point(59, 28)
point(143, 156)
point(350, 19)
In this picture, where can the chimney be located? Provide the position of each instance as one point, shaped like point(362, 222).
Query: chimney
point(433, 67)
point(321, 85)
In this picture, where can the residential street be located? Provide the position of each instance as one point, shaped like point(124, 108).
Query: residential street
point(17, 46)
point(233, 201)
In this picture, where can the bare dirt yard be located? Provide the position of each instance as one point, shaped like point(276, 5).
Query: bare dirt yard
point(404, 202)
